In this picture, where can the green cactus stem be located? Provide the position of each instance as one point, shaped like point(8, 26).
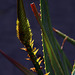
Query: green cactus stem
point(24, 34)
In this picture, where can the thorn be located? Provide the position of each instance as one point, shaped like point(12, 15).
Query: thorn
point(27, 58)
point(35, 51)
point(42, 44)
point(63, 42)
point(17, 22)
point(32, 43)
point(41, 34)
point(33, 69)
point(38, 59)
point(28, 55)
point(24, 49)
point(40, 10)
point(42, 50)
point(47, 73)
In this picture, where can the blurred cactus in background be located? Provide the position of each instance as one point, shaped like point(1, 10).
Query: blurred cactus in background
point(55, 60)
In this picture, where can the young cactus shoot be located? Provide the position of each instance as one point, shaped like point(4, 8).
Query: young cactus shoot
point(54, 57)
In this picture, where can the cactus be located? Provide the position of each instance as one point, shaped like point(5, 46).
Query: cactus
point(55, 60)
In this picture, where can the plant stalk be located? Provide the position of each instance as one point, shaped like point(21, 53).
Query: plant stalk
point(34, 60)
point(72, 41)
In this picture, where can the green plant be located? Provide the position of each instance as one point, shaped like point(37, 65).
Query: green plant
point(56, 62)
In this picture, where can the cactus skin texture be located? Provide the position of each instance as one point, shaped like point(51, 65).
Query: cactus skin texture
point(24, 34)
point(23, 26)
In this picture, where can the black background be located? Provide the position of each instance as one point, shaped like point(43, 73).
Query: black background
point(62, 14)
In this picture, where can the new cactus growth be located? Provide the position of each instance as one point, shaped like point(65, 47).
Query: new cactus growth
point(55, 60)
point(23, 27)
point(25, 35)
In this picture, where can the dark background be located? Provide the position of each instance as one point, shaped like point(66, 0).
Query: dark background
point(62, 14)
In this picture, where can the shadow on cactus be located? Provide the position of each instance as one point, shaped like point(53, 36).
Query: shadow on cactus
point(55, 60)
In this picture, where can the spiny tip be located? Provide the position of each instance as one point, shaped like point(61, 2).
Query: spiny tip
point(42, 44)
point(35, 52)
point(34, 49)
point(42, 50)
point(38, 59)
point(44, 62)
point(33, 69)
point(24, 49)
point(17, 22)
point(41, 34)
point(28, 55)
point(43, 56)
point(27, 58)
point(32, 43)
point(47, 73)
